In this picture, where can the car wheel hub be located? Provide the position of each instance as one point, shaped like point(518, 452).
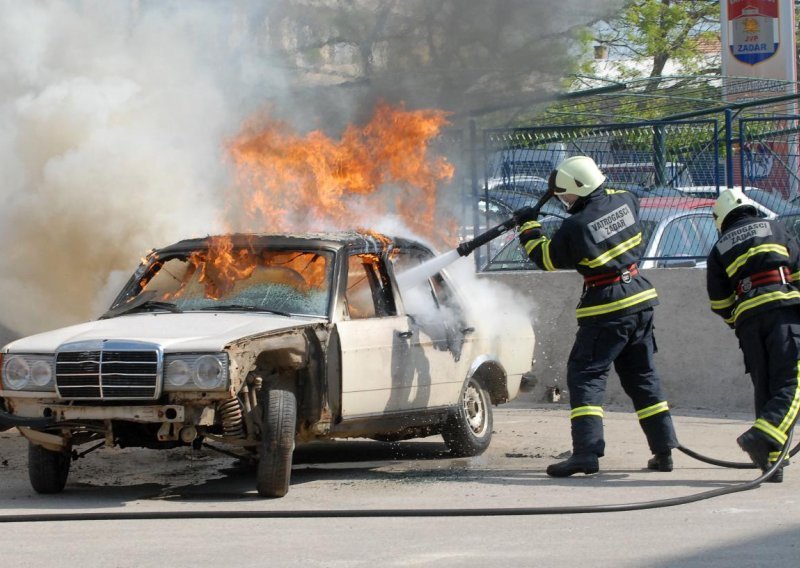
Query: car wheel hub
point(474, 410)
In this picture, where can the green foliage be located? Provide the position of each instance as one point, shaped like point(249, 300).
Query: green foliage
point(649, 33)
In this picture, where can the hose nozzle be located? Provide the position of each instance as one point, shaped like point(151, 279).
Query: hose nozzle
point(517, 218)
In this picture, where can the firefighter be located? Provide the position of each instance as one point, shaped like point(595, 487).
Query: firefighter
point(751, 276)
point(602, 240)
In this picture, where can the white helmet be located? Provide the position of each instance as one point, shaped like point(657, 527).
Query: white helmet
point(578, 175)
point(730, 199)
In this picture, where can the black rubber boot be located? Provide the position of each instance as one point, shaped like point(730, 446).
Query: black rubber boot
point(661, 461)
point(756, 447)
point(578, 463)
point(776, 477)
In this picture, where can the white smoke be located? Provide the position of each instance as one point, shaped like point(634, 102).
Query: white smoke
point(112, 121)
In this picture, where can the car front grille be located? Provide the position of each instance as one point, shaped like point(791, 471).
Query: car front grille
point(108, 373)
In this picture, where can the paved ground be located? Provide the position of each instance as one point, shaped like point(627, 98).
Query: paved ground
point(760, 527)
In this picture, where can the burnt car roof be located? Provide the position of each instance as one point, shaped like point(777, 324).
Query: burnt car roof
point(353, 240)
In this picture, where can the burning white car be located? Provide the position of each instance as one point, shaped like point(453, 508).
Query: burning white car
point(259, 342)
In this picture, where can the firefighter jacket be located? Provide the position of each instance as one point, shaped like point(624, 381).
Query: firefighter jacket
point(752, 268)
point(602, 240)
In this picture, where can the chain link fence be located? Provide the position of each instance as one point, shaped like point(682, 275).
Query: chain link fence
point(673, 167)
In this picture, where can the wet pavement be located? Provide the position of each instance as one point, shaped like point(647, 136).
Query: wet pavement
point(419, 474)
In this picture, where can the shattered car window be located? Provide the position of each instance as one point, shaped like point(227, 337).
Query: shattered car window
point(285, 281)
point(367, 294)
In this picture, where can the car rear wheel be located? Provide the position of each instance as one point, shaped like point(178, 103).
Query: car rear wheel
point(468, 432)
point(277, 441)
point(47, 470)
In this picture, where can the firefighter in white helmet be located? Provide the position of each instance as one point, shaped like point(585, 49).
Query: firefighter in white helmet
point(752, 283)
point(602, 240)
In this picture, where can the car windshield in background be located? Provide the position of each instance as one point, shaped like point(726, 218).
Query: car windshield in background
point(676, 232)
point(279, 281)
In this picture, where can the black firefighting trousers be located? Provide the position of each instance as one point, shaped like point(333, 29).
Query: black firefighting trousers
point(626, 342)
point(770, 342)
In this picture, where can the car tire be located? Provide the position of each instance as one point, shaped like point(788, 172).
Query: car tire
point(468, 431)
point(47, 470)
point(277, 441)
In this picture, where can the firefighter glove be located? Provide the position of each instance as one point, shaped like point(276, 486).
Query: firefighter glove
point(530, 230)
point(525, 214)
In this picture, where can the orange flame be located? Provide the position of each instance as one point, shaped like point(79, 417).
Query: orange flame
point(218, 269)
point(292, 182)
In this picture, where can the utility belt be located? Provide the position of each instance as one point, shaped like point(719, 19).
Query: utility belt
point(624, 275)
point(780, 275)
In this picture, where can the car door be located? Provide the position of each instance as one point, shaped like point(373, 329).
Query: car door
point(440, 338)
point(374, 341)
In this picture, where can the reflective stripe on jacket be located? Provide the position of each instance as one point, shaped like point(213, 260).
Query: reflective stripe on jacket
point(749, 247)
point(602, 236)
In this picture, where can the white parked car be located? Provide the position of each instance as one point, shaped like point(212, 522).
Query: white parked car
point(259, 342)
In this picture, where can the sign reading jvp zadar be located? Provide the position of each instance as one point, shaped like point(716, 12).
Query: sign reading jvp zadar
point(753, 32)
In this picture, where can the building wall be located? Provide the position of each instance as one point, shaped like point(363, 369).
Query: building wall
point(698, 355)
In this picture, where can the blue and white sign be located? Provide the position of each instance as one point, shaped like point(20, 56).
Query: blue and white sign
point(754, 35)
point(758, 41)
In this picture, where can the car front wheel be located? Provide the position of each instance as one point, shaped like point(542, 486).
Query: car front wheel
point(277, 441)
point(468, 432)
point(47, 470)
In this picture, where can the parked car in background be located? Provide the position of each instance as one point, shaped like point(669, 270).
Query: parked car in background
point(539, 161)
point(677, 232)
point(768, 203)
point(258, 342)
point(529, 185)
point(644, 174)
point(500, 205)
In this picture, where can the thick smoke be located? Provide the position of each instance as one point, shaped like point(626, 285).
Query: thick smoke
point(114, 116)
point(112, 124)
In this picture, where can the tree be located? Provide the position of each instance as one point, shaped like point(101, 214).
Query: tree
point(648, 34)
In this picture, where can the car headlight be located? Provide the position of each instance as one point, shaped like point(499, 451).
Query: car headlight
point(209, 372)
point(178, 373)
point(28, 372)
point(196, 372)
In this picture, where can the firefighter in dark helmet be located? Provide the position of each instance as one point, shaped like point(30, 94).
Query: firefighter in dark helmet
point(752, 271)
point(602, 240)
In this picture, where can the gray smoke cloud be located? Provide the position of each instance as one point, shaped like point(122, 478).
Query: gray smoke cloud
point(112, 121)
point(114, 115)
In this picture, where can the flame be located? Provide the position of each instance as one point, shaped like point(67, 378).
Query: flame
point(220, 267)
point(286, 181)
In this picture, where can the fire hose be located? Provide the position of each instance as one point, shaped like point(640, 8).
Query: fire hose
point(396, 513)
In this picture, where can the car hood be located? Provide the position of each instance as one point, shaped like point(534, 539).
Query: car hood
point(186, 332)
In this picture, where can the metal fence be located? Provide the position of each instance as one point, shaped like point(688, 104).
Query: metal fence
point(673, 167)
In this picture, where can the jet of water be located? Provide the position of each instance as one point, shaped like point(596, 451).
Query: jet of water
point(419, 274)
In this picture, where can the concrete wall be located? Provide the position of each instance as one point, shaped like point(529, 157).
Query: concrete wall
point(698, 356)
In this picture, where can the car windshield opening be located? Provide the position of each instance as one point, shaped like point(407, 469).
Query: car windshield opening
point(276, 281)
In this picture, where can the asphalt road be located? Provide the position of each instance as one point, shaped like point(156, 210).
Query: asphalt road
point(759, 527)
